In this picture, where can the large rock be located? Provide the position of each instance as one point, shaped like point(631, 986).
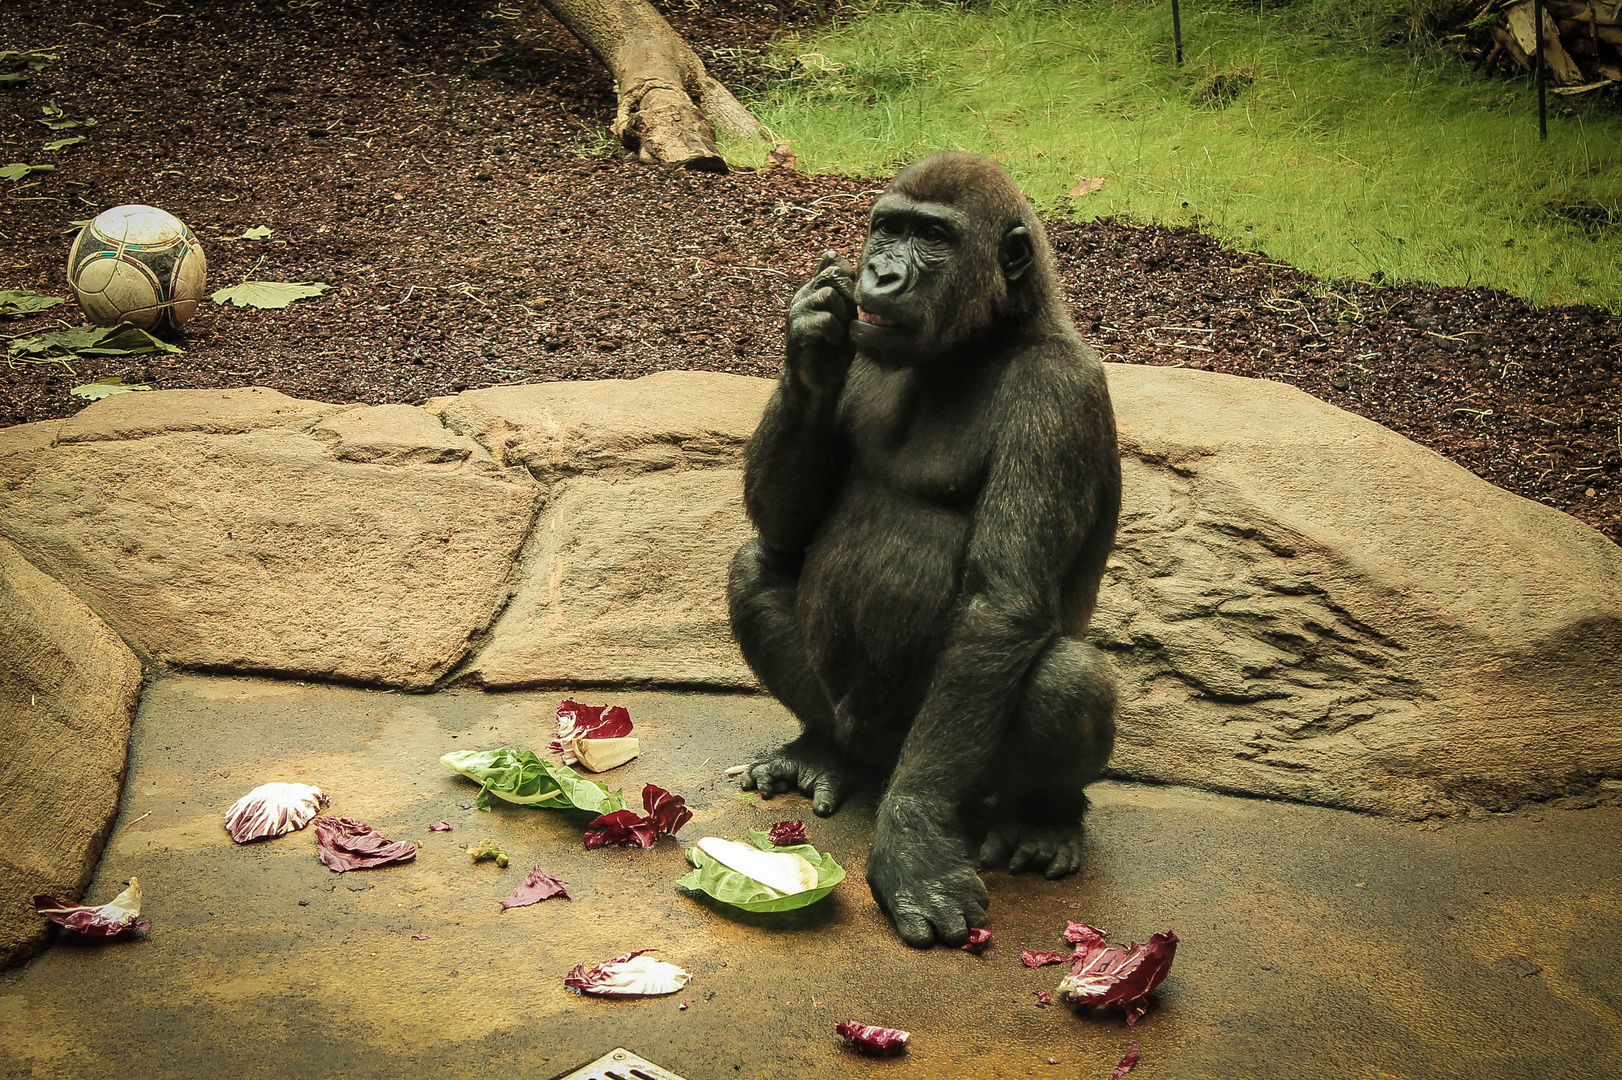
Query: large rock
point(242, 530)
point(624, 577)
point(1304, 604)
point(68, 688)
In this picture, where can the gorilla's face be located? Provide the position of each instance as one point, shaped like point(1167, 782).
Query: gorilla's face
point(931, 278)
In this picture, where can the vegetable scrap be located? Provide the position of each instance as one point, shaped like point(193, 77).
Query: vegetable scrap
point(273, 809)
point(345, 844)
point(121, 914)
point(594, 736)
point(1126, 1064)
point(623, 828)
point(666, 814)
point(783, 872)
point(538, 885)
point(419, 937)
point(522, 778)
point(1043, 999)
point(727, 871)
point(669, 812)
point(630, 975)
point(440, 826)
point(487, 849)
point(979, 938)
point(868, 1039)
point(786, 833)
point(1123, 975)
point(1042, 959)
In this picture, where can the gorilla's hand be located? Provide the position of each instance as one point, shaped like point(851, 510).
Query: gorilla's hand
point(920, 874)
point(819, 318)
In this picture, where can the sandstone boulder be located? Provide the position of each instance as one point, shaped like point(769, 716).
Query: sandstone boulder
point(673, 419)
point(374, 548)
point(68, 689)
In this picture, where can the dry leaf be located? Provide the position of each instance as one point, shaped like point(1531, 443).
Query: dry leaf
point(1085, 187)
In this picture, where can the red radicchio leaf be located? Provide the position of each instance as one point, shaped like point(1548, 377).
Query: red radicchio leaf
point(1081, 935)
point(537, 886)
point(1122, 975)
point(1126, 1064)
point(1041, 959)
point(345, 844)
point(1043, 999)
point(979, 938)
point(622, 828)
point(577, 721)
point(440, 826)
point(872, 1040)
point(785, 833)
point(627, 976)
point(117, 916)
point(668, 812)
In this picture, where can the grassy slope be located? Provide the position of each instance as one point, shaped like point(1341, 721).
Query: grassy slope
point(1343, 156)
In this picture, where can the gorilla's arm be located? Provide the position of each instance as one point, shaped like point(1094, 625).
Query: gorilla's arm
point(1038, 505)
point(790, 465)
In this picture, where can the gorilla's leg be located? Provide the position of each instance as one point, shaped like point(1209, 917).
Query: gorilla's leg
point(1061, 737)
point(760, 595)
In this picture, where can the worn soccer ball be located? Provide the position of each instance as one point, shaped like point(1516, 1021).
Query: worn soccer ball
point(139, 265)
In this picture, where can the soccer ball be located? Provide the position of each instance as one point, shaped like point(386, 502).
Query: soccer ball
point(137, 264)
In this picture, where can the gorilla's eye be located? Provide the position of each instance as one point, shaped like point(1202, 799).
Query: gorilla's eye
point(933, 234)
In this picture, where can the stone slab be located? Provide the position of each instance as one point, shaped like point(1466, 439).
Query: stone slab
point(267, 550)
point(672, 419)
point(625, 583)
point(68, 689)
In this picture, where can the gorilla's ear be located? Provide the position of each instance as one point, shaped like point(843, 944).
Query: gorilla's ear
point(1016, 252)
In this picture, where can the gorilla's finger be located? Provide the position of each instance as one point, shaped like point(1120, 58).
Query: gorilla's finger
point(913, 927)
point(950, 925)
point(978, 894)
point(748, 782)
point(829, 793)
point(1065, 863)
point(1023, 858)
point(974, 914)
point(994, 852)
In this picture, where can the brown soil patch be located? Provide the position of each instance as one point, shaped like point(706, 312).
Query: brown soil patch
point(447, 179)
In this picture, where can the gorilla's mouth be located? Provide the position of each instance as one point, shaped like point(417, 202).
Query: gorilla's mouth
point(872, 319)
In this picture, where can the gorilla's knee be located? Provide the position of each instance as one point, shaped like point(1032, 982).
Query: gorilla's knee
point(1067, 713)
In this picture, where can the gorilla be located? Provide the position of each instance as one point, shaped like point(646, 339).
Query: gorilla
point(935, 486)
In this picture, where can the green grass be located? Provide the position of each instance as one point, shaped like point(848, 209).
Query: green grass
point(1343, 156)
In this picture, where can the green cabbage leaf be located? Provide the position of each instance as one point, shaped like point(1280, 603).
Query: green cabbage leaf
point(521, 777)
point(741, 891)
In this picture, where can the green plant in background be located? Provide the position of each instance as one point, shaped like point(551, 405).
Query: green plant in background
point(1333, 137)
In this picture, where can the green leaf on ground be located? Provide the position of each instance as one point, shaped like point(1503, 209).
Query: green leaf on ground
point(269, 294)
point(57, 120)
point(17, 170)
point(740, 891)
point(11, 60)
point(101, 388)
point(258, 232)
point(71, 140)
point(521, 777)
point(11, 77)
point(16, 303)
point(120, 340)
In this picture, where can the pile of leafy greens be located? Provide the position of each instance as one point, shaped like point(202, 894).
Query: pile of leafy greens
point(521, 777)
point(741, 891)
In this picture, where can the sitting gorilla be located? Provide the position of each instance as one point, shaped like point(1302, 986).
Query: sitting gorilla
point(935, 483)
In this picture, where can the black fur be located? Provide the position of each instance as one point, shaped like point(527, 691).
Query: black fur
point(936, 484)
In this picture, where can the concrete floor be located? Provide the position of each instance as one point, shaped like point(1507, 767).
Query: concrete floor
point(1315, 943)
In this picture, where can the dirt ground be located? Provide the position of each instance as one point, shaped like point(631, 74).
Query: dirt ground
point(444, 168)
point(1315, 944)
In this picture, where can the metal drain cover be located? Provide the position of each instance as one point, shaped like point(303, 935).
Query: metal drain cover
point(621, 1064)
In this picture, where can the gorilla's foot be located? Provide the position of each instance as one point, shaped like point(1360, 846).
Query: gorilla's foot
point(811, 768)
point(1052, 847)
point(921, 877)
